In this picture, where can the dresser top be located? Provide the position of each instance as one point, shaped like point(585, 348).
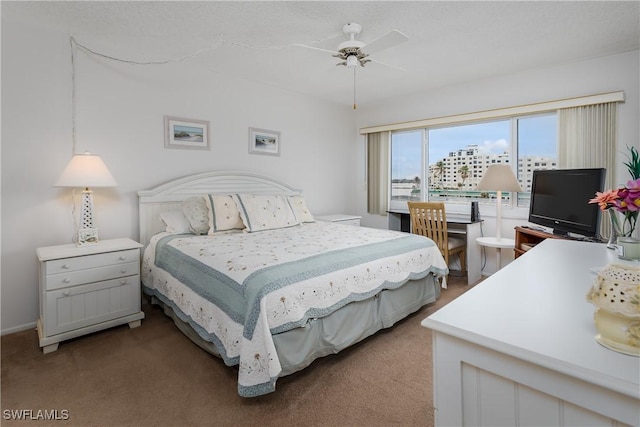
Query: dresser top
point(49, 253)
point(535, 309)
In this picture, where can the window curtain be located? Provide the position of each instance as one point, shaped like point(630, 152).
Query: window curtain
point(587, 139)
point(378, 172)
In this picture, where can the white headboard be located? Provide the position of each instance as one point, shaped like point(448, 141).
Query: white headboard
point(169, 196)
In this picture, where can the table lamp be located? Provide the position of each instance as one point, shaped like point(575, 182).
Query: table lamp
point(86, 170)
point(499, 178)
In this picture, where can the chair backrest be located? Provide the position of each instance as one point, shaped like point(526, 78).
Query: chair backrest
point(429, 219)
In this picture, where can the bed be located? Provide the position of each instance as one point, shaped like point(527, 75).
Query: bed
point(254, 279)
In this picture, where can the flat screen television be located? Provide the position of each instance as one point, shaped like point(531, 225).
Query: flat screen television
point(560, 200)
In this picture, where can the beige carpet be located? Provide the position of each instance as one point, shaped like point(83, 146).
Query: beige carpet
point(154, 376)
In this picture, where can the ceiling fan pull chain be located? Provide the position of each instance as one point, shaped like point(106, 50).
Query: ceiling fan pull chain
point(354, 89)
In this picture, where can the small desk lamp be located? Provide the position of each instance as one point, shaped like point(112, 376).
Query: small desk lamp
point(86, 170)
point(499, 178)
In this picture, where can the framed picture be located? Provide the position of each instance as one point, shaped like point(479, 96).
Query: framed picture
point(186, 133)
point(262, 141)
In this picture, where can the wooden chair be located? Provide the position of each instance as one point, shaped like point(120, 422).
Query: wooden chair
point(430, 219)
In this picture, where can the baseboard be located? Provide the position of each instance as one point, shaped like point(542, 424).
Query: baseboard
point(18, 328)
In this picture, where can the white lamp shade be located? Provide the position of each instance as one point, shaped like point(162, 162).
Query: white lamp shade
point(86, 170)
point(499, 178)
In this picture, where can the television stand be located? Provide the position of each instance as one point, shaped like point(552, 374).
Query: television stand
point(527, 238)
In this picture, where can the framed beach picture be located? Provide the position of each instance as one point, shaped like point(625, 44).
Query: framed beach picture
point(186, 133)
point(263, 141)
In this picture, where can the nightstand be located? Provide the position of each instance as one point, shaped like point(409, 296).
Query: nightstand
point(84, 289)
point(341, 219)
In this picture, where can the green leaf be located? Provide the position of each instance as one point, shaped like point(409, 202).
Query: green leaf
point(633, 165)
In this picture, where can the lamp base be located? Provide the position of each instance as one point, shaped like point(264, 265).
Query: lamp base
point(87, 236)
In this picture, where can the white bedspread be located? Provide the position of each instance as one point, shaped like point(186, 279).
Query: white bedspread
point(238, 289)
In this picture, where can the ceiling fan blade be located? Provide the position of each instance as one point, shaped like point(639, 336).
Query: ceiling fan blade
point(392, 38)
point(333, 52)
point(387, 65)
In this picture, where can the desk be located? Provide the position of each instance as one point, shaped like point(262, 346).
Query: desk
point(456, 225)
point(519, 348)
point(499, 244)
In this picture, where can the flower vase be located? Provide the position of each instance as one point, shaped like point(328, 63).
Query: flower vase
point(615, 230)
point(616, 295)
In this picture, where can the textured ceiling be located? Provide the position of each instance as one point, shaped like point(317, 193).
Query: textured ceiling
point(449, 42)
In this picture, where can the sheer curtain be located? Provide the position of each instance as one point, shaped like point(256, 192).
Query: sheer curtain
point(587, 139)
point(378, 172)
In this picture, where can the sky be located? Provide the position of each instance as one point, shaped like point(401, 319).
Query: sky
point(537, 136)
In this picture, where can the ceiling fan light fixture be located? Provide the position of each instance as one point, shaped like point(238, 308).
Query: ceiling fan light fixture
point(352, 61)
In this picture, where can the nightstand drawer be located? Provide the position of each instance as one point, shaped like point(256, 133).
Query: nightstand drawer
point(74, 308)
point(91, 261)
point(81, 277)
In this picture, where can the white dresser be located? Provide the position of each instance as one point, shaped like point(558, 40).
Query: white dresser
point(341, 218)
point(519, 348)
point(88, 288)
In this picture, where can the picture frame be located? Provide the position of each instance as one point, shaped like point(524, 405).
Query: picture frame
point(263, 141)
point(187, 134)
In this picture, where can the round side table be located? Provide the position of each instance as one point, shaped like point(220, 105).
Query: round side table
point(499, 244)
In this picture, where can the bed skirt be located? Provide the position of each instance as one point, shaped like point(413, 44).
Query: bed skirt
point(298, 347)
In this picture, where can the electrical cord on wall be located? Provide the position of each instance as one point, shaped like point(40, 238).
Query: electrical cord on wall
point(220, 42)
point(74, 218)
point(483, 254)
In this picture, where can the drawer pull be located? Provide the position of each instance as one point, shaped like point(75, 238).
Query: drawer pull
point(66, 293)
point(122, 258)
point(124, 270)
point(66, 266)
point(123, 282)
point(67, 280)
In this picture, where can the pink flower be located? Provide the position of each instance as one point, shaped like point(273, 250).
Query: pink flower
point(605, 200)
point(629, 197)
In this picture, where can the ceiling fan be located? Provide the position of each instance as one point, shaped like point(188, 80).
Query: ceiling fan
point(355, 52)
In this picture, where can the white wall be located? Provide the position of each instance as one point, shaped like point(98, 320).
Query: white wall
point(607, 74)
point(120, 111)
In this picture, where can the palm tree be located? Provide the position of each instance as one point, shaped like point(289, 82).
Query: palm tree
point(440, 172)
point(415, 192)
point(464, 173)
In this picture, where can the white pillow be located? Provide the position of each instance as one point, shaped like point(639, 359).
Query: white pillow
point(175, 222)
point(223, 213)
point(265, 212)
point(196, 212)
point(300, 209)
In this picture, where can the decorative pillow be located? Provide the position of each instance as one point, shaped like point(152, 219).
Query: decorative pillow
point(175, 222)
point(300, 209)
point(265, 212)
point(223, 213)
point(196, 212)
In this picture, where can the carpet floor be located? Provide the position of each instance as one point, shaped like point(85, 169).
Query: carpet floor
point(154, 376)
